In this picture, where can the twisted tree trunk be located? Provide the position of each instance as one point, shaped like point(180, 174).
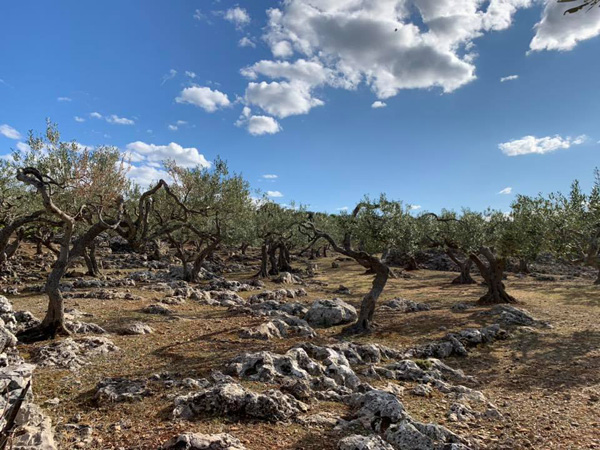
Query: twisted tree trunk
point(89, 255)
point(367, 307)
point(283, 261)
point(493, 274)
point(464, 268)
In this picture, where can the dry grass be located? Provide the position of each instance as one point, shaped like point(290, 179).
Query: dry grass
point(542, 382)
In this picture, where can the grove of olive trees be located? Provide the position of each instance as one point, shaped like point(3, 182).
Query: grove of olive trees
point(201, 235)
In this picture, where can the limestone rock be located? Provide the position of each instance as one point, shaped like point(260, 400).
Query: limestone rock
point(117, 390)
point(404, 305)
point(329, 313)
point(136, 328)
point(232, 399)
point(358, 442)
point(197, 441)
point(71, 353)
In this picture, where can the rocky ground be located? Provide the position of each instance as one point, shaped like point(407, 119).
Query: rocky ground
point(232, 364)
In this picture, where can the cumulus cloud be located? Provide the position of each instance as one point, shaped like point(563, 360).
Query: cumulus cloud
point(557, 31)
point(343, 208)
point(246, 42)
point(96, 115)
point(388, 45)
point(9, 132)
point(238, 16)
point(64, 99)
point(506, 191)
point(145, 174)
point(79, 119)
point(509, 78)
point(532, 144)
point(414, 207)
point(204, 97)
point(282, 99)
point(274, 194)
point(190, 74)
point(258, 125)
point(378, 104)
point(114, 119)
point(150, 153)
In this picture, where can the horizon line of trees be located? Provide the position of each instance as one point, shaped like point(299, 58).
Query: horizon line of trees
point(65, 198)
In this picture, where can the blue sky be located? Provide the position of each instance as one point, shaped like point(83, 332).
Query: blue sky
point(305, 113)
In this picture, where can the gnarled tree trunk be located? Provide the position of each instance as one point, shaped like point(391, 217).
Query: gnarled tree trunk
point(283, 261)
point(367, 307)
point(464, 268)
point(493, 274)
point(89, 255)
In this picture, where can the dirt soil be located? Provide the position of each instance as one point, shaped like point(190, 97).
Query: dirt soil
point(546, 383)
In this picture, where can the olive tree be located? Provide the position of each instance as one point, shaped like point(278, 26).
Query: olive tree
point(199, 211)
point(80, 188)
point(19, 208)
point(359, 238)
point(574, 222)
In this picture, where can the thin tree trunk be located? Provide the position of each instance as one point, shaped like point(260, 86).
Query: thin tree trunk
point(523, 266)
point(263, 272)
point(89, 255)
point(244, 247)
point(53, 323)
point(597, 282)
point(367, 307)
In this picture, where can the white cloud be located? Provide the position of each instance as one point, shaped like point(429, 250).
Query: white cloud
point(509, 78)
point(246, 42)
point(532, 144)
point(79, 119)
point(203, 97)
point(258, 125)
point(506, 191)
point(9, 132)
point(64, 99)
point(190, 74)
point(169, 76)
point(378, 104)
point(114, 119)
point(414, 207)
point(200, 16)
point(557, 31)
point(274, 194)
point(282, 99)
point(185, 157)
point(343, 208)
point(173, 127)
point(145, 174)
point(238, 16)
point(270, 176)
point(23, 147)
point(96, 115)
